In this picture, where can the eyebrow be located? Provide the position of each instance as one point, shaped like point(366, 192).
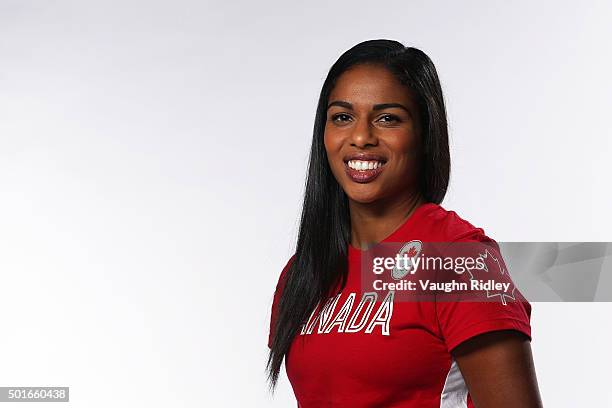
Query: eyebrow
point(379, 106)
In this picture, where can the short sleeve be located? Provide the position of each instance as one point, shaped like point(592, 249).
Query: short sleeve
point(461, 320)
point(277, 293)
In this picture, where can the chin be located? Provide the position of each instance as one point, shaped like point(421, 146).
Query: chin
point(363, 197)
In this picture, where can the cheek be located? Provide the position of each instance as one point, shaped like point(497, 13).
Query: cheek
point(327, 144)
point(405, 154)
point(406, 146)
point(332, 145)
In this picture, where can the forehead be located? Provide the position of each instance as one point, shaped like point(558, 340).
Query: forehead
point(368, 85)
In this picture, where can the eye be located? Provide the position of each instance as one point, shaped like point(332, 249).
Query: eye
point(391, 118)
point(341, 116)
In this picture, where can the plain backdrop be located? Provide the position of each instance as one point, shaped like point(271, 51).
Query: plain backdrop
point(152, 164)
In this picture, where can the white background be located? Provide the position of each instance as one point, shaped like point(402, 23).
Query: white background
point(152, 162)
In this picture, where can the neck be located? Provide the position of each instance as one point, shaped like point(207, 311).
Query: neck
point(373, 222)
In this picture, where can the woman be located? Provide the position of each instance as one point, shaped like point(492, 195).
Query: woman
point(379, 168)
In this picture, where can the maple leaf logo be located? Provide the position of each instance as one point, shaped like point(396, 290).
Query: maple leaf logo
point(411, 249)
point(412, 252)
point(495, 265)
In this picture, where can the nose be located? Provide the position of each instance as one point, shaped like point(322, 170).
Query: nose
point(362, 135)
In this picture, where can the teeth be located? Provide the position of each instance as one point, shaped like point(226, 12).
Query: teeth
point(364, 165)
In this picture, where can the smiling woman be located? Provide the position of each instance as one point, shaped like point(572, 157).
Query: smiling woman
point(378, 171)
point(365, 139)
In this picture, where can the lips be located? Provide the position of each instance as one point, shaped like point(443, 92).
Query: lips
point(365, 157)
point(364, 167)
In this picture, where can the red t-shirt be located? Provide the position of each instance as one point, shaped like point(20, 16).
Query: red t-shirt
point(399, 355)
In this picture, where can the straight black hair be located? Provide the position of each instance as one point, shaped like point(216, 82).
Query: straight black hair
point(320, 260)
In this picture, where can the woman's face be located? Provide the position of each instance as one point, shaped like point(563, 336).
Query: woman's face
point(372, 134)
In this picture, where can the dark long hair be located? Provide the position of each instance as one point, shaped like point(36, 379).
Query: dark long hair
point(320, 260)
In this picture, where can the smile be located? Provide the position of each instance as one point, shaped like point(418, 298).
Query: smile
point(364, 171)
point(364, 165)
